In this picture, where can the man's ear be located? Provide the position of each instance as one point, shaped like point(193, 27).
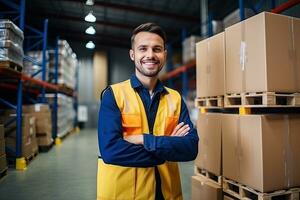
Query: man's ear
point(131, 54)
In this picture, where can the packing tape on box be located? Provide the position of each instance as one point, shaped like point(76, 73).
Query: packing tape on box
point(243, 55)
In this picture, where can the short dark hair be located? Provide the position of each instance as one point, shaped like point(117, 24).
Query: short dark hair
point(149, 27)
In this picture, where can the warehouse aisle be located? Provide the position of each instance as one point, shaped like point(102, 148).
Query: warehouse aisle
point(66, 172)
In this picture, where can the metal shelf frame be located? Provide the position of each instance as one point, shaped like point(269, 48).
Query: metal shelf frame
point(34, 40)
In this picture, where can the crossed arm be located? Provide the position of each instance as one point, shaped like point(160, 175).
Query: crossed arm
point(145, 150)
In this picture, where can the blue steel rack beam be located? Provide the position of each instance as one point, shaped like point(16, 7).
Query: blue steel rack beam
point(55, 104)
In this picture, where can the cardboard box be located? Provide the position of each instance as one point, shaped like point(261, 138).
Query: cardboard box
point(210, 149)
point(210, 63)
point(258, 60)
point(42, 114)
point(3, 163)
point(262, 151)
point(204, 189)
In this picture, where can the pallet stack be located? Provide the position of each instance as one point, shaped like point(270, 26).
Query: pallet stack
point(67, 64)
point(210, 62)
point(260, 154)
point(43, 125)
point(11, 45)
point(30, 68)
point(65, 113)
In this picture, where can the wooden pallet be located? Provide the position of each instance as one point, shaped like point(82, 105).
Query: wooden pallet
point(3, 173)
point(204, 173)
point(29, 158)
point(262, 99)
point(11, 65)
point(243, 192)
point(210, 102)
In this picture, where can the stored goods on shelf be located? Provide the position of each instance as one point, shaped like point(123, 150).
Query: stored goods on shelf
point(31, 68)
point(42, 114)
point(9, 31)
point(65, 113)
point(261, 55)
point(234, 17)
point(67, 64)
point(11, 52)
point(261, 151)
point(29, 143)
point(189, 48)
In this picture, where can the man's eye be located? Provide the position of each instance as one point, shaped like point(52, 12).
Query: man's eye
point(157, 50)
point(142, 49)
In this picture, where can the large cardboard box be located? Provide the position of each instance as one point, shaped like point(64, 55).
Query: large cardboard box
point(210, 63)
point(28, 126)
point(261, 54)
point(262, 151)
point(204, 189)
point(210, 149)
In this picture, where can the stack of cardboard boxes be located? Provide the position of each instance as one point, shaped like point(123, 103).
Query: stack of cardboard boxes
point(256, 153)
point(3, 163)
point(42, 114)
point(29, 146)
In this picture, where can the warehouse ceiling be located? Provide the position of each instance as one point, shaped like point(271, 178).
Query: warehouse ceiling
point(115, 18)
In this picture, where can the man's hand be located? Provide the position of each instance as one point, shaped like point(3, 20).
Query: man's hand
point(135, 139)
point(181, 130)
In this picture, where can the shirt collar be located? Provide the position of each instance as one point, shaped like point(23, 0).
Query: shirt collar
point(135, 84)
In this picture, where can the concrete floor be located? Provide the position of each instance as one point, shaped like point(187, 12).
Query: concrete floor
point(66, 172)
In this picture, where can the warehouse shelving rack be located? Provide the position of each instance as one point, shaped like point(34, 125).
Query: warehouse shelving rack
point(21, 83)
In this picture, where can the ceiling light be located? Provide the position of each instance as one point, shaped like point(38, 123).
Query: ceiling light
point(90, 30)
point(90, 45)
point(89, 2)
point(90, 17)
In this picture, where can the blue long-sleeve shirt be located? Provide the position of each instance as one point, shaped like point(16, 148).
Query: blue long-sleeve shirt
point(156, 149)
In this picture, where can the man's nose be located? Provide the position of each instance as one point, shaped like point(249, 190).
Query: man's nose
point(150, 53)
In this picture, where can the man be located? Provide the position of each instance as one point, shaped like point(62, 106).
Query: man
point(144, 128)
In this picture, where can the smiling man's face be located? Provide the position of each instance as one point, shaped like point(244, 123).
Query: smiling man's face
point(148, 53)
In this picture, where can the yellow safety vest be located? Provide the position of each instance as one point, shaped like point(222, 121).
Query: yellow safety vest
point(132, 183)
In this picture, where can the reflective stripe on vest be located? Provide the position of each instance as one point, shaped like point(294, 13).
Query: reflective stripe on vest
point(131, 183)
